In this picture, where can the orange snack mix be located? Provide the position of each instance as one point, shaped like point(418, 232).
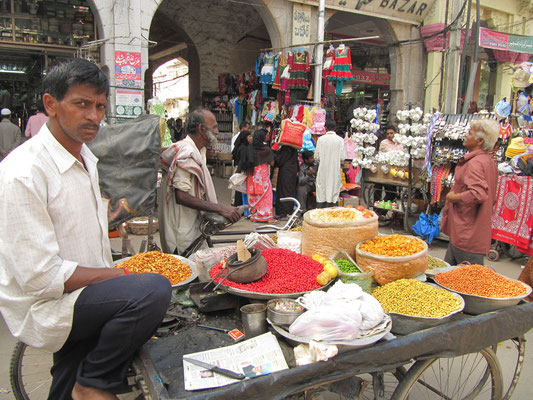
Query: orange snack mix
point(393, 246)
point(160, 263)
point(480, 281)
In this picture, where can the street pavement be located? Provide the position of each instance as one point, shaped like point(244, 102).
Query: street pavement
point(505, 266)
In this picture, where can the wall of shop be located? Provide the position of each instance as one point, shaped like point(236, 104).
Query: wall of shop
point(503, 16)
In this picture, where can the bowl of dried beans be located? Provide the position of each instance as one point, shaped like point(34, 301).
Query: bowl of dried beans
point(483, 289)
point(289, 275)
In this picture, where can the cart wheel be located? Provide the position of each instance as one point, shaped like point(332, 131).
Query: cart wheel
point(493, 255)
point(472, 376)
point(29, 372)
point(511, 352)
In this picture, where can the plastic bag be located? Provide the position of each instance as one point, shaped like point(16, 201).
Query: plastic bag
point(308, 143)
point(237, 182)
point(427, 227)
point(258, 241)
point(339, 314)
point(290, 240)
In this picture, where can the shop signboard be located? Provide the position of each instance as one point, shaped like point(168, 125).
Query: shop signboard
point(129, 103)
point(371, 78)
point(408, 11)
point(502, 41)
point(128, 69)
point(301, 23)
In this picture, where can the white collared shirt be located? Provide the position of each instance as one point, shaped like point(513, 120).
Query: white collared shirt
point(52, 219)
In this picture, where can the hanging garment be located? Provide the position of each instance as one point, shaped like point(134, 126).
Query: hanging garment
point(505, 130)
point(342, 68)
point(328, 66)
point(299, 67)
point(268, 68)
point(319, 122)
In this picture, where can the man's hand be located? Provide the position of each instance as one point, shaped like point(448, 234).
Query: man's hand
point(310, 172)
point(229, 212)
point(453, 197)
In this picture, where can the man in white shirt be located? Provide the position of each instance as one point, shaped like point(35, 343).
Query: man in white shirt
point(188, 189)
point(243, 126)
point(58, 290)
point(330, 154)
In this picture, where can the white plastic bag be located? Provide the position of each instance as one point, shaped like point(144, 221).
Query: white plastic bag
point(339, 314)
point(291, 240)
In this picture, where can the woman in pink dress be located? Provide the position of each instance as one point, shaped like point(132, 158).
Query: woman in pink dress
point(259, 185)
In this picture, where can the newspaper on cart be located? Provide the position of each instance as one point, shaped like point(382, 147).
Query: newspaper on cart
point(254, 357)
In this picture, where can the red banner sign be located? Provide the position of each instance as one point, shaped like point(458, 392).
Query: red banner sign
point(493, 40)
point(371, 78)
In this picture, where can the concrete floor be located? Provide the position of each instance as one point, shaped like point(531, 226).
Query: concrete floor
point(504, 265)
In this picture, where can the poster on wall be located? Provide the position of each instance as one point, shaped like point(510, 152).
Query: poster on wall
point(128, 69)
point(301, 23)
point(129, 103)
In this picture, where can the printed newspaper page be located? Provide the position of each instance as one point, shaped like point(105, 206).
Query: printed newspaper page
point(260, 355)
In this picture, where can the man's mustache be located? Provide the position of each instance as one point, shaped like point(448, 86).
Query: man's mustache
point(90, 126)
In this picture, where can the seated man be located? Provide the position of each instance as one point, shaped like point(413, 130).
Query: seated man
point(187, 187)
point(306, 178)
point(58, 290)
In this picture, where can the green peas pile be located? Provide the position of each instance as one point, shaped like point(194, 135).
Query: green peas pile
point(347, 266)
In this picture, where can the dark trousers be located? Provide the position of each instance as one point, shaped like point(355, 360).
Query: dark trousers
point(112, 320)
point(455, 256)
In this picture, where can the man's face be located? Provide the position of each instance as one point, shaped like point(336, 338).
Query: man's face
point(310, 160)
point(246, 127)
point(471, 140)
point(211, 128)
point(390, 134)
point(77, 117)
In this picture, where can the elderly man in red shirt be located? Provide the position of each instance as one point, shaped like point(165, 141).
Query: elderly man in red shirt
point(467, 216)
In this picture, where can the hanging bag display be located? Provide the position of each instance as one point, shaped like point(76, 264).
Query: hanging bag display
point(291, 134)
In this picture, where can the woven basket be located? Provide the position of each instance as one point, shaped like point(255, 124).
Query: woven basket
point(139, 226)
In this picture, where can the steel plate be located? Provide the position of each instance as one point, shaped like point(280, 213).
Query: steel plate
point(362, 342)
point(403, 324)
point(478, 304)
point(191, 264)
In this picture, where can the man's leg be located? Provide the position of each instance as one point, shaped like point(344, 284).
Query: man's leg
point(302, 196)
point(449, 257)
point(112, 320)
point(460, 255)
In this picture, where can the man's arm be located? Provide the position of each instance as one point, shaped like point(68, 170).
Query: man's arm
point(185, 199)
point(84, 276)
point(477, 190)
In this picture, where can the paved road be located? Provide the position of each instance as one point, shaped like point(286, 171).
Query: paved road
point(505, 266)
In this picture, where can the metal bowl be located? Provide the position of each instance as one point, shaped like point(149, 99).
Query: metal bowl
point(282, 317)
point(403, 324)
point(479, 304)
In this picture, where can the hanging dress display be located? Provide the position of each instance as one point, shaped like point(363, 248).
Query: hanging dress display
point(342, 68)
point(299, 66)
point(328, 66)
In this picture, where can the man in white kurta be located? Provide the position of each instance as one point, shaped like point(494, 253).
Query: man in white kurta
point(330, 154)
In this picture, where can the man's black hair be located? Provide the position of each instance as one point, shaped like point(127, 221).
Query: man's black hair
point(194, 119)
point(306, 154)
point(330, 124)
point(391, 127)
point(243, 124)
point(64, 76)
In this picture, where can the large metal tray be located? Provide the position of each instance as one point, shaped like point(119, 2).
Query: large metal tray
point(403, 324)
point(360, 342)
point(268, 296)
point(479, 304)
point(191, 264)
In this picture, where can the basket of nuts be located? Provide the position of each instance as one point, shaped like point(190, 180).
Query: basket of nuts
point(392, 257)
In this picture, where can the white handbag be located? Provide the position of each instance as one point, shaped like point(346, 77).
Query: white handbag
point(237, 182)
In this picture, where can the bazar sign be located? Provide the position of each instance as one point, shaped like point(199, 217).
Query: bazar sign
point(408, 11)
point(128, 69)
point(503, 41)
point(371, 78)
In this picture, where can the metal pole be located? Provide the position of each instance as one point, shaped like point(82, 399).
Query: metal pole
point(473, 71)
point(317, 88)
point(450, 103)
point(463, 55)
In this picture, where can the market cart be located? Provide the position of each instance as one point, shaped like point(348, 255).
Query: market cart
point(407, 359)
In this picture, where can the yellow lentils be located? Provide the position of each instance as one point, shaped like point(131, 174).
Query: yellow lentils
point(160, 263)
point(393, 246)
point(417, 299)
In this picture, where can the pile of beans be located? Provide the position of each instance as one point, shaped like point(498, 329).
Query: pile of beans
point(287, 272)
point(435, 263)
point(480, 281)
point(347, 266)
point(417, 299)
point(393, 246)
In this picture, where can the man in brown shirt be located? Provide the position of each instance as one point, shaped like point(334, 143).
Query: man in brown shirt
point(467, 215)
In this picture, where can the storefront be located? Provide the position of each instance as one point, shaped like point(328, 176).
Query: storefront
point(35, 35)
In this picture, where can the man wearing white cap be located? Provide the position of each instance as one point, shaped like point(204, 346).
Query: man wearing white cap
point(10, 135)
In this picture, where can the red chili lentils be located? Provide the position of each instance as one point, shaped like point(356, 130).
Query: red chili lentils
point(287, 272)
point(480, 281)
